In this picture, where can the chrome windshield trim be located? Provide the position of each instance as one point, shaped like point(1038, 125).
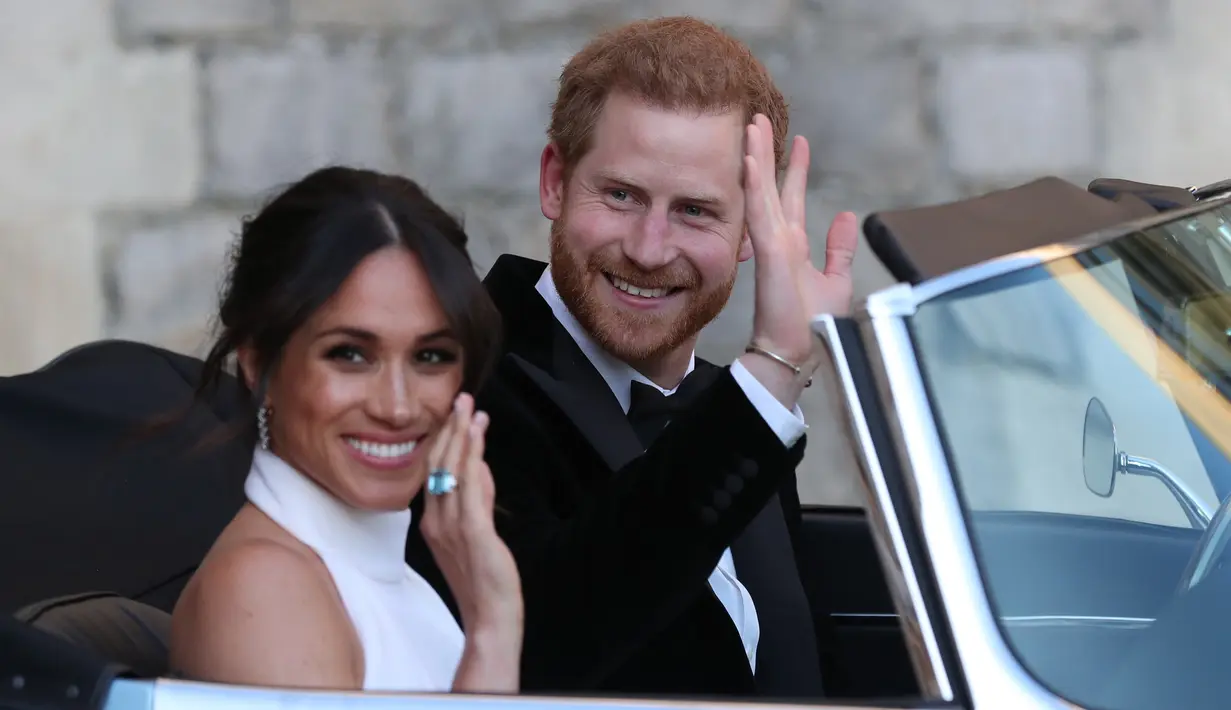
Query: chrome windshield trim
point(903, 581)
point(186, 695)
point(993, 675)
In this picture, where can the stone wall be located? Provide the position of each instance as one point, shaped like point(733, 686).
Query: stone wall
point(135, 133)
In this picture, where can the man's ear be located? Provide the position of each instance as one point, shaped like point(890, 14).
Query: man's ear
point(745, 246)
point(551, 182)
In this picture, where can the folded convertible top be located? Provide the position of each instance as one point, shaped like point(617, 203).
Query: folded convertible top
point(921, 243)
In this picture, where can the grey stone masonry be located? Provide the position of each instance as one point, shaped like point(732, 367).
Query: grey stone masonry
point(142, 20)
point(135, 134)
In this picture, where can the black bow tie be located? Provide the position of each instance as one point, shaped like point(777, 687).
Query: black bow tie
point(650, 411)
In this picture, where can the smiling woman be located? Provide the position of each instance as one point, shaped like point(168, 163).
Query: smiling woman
point(359, 326)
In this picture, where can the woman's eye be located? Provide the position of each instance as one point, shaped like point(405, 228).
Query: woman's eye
point(436, 357)
point(346, 353)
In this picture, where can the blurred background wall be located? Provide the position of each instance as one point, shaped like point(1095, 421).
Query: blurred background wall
point(134, 134)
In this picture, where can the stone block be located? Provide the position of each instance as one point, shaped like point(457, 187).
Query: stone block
point(431, 14)
point(54, 35)
point(863, 117)
point(945, 20)
point(163, 275)
point(1167, 107)
point(479, 121)
point(49, 286)
point(377, 14)
point(1017, 112)
point(149, 19)
point(148, 147)
point(739, 17)
point(101, 130)
point(536, 11)
point(277, 114)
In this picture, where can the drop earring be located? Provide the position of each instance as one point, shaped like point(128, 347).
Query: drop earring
point(262, 426)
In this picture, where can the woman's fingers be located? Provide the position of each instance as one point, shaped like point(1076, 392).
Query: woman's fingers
point(476, 513)
point(435, 457)
point(453, 459)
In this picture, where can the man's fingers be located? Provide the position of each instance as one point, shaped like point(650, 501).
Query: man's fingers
point(840, 244)
point(764, 146)
point(795, 184)
point(761, 203)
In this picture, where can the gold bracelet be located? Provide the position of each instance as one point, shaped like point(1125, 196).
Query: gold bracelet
point(752, 348)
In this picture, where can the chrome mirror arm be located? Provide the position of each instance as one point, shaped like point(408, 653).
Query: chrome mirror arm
point(1196, 512)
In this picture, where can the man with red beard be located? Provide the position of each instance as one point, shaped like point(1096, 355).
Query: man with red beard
point(658, 559)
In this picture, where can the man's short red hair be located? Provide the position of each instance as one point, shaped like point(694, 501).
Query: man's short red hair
point(673, 63)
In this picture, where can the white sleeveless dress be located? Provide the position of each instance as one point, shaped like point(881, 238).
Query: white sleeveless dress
point(410, 640)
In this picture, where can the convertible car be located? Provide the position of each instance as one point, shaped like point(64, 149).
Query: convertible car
point(1039, 409)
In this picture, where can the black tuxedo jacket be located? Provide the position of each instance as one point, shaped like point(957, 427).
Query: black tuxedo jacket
point(615, 544)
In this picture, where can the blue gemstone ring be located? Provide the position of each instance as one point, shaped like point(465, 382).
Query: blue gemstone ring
point(440, 481)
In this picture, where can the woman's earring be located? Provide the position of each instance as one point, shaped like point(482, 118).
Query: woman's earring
point(262, 426)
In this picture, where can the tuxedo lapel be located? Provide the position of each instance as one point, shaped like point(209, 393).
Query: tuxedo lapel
point(584, 397)
point(788, 663)
point(542, 349)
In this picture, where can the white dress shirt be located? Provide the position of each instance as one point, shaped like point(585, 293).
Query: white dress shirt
point(788, 425)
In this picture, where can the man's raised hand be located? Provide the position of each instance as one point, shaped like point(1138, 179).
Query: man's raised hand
point(790, 290)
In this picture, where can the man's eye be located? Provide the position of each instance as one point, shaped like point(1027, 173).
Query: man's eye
point(694, 211)
point(619, 195)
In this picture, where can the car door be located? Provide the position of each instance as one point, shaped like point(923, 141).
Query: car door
point(1012, 366)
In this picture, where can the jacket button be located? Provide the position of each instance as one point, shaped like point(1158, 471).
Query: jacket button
point(734, 484)
point(748, 468)
point(709, 516)
point(722, 500)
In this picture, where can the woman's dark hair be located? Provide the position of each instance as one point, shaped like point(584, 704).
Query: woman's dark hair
point(294, 255)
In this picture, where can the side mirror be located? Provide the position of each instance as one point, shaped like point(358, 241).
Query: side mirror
point(1099, 452)
point(1102, 459)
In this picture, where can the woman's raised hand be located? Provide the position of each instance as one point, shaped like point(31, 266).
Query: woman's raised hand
point(459, 529)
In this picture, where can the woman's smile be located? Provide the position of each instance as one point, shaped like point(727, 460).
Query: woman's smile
point(383, 454)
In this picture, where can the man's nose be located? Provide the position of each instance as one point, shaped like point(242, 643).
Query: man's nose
point(649, 246)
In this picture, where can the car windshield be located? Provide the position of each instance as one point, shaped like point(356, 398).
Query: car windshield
point(1083, 406)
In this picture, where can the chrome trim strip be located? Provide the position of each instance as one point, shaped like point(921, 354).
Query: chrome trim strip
point(890, 542)
point(184, 695)
point(1029, 619)
point(993, 676)
point(1111, 622)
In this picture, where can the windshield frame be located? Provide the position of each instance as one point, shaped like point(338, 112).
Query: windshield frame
point(991, 672)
